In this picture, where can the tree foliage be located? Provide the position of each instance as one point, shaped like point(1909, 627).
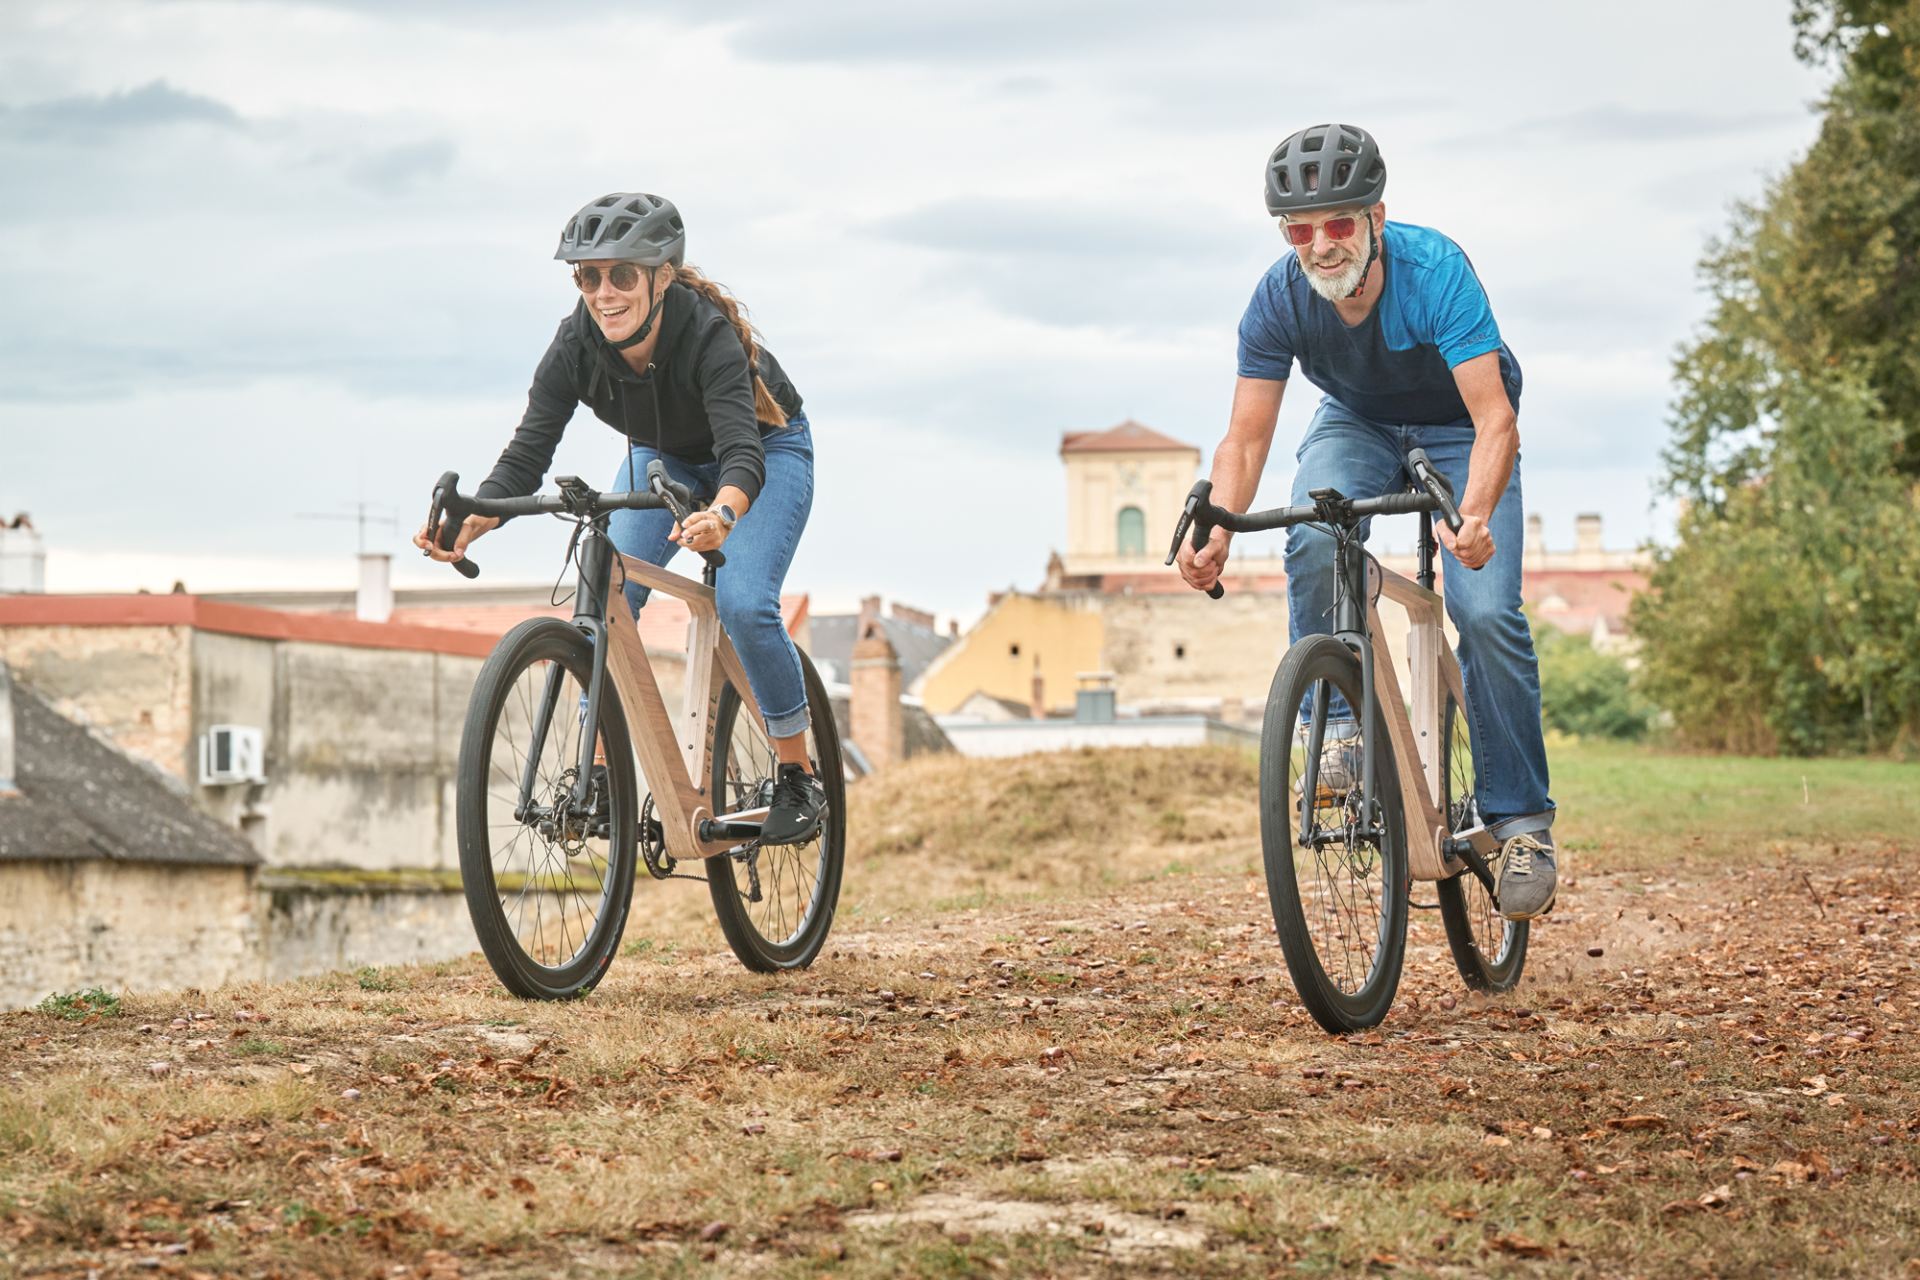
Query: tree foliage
point(1585, 692)
point(1787, 616)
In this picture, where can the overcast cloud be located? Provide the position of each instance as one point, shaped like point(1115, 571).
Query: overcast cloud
point(261, 259)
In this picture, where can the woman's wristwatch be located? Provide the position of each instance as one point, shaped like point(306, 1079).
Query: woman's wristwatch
point(726, 516)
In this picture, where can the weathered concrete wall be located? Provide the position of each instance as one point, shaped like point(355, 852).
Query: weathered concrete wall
point(127, 927)
point(369, 740)
point(233, 683)
point(133, 684)
point(307, 929)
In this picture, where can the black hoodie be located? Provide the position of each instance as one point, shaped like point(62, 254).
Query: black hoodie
point(700, 378)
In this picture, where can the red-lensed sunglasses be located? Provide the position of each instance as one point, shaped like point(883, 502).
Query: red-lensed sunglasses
point(1301, 233)
point(624, 275)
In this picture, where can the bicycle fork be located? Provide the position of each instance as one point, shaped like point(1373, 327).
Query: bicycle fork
point(1350, 628)
point(589, 615)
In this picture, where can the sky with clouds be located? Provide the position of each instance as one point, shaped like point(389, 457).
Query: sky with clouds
point(262, 261)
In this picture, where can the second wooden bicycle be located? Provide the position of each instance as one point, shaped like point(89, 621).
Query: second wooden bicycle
point(1362, 792)
point(552, 826)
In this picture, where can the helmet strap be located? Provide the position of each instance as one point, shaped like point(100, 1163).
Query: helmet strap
point(646, 326)
point(1373, 256)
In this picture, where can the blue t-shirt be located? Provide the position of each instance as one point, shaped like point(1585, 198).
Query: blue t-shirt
point(1396, 366)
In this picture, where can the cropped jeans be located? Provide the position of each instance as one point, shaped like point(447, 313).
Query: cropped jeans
point(1364, 459)
point(759, 551)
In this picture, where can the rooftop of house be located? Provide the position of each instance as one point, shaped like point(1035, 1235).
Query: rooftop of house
point(443, 623)
point(831, 639)
point(84, 800)
point(1126, 437)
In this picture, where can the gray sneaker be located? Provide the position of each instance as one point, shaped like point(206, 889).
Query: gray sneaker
point(1527, 875)
point(1339, 758)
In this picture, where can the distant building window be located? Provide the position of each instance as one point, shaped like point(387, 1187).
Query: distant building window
point(1133, 532)
point(1179, 651)
point(1013, 650)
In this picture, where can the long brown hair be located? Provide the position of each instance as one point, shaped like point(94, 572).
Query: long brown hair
point(765, 407)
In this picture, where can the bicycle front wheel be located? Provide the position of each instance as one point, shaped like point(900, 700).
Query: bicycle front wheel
point(548, 880)
point(775, 903)
point(1336, 873)
point(1489, 950)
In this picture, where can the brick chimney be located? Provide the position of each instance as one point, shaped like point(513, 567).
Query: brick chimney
point(1534, 554)
point(953, 628)
point(7, 786)
point(1586, 536)
point(874, 711)
point(1037, 695)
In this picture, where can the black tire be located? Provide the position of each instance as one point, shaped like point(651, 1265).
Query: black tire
point(1488, 949)
point(799, 884)
point(564, 950)
point(1352, 926)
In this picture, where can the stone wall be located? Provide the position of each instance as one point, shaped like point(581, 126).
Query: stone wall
point(134, 684)
point(127, 927)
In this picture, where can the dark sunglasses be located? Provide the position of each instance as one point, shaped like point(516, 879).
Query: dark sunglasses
point(1301, 233)
point(624, 275)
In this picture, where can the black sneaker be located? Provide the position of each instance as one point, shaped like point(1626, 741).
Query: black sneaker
point(799, 802)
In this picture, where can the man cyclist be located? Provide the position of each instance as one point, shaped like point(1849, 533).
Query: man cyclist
point(1391, 323)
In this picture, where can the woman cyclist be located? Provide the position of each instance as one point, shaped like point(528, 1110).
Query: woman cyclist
point(667, 358)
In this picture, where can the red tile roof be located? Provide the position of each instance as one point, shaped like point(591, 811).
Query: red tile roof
point(466, 630)
point(663, 623)
point(232, 619)
point(1128, 437)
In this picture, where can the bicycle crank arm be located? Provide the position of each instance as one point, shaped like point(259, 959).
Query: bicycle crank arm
point(744, 825)
point(1464, 850)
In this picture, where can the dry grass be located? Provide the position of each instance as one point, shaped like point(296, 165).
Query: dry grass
point(1052, 1036)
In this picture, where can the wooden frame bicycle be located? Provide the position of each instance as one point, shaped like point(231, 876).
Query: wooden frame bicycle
point(560, 712)
point(1350, 819)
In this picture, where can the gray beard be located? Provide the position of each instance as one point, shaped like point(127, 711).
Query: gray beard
point(1337, 288)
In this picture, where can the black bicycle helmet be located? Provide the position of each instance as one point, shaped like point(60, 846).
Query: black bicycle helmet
point(1329, 166)
point(627, 226)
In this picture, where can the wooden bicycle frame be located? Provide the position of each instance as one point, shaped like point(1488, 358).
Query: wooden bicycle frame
point(676, 774)
point(1416, 738)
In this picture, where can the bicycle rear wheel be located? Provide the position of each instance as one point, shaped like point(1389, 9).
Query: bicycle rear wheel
point(1339, 895)
point(1488, 949)
point(775, 903)
point(548, 883)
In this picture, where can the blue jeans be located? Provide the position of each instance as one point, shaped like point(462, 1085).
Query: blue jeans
point(1363, 459)
point(759, 552)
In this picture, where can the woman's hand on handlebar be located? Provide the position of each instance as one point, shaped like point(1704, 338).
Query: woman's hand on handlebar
point(1202, 568)
point(702, 532)
point(1473, 545)
point(471, 528)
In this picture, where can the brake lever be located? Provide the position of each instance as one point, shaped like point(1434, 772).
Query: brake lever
point(667, 491)
point(1435, 484)
point(1199, 498)
point(445, 532)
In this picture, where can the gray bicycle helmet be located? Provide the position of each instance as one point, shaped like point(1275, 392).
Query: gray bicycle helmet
point(627, 226)
point(1329, 166)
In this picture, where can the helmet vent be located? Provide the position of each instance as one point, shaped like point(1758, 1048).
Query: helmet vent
point(621, 228)
point(605, 202)
point(1342, 172)
point(1310, 177)
point(592, 229)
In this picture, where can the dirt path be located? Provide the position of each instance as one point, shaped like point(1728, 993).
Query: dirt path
point(1082, 1087)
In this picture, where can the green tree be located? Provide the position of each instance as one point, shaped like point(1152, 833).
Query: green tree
point(1787, 615)
point(1585, 692)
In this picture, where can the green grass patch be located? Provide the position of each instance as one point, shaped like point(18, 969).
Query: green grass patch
point(1641, 806)
point(75, 1006)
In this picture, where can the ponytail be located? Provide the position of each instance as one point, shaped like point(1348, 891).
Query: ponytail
point(765, 407)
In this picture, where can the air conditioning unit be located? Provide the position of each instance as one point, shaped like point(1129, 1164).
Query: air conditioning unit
point(231, 753)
